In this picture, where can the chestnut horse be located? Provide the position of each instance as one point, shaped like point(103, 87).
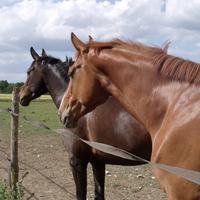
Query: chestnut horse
point(109, 123)
point(159, 90)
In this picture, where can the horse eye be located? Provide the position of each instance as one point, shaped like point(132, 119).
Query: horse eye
point(30, 70)
point(70, 73)
point(73, 70)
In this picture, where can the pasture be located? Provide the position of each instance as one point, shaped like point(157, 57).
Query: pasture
point(45, 162)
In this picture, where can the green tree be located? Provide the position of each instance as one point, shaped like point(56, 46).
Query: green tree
point(19, 84)
point(3, 85)
point(7, 88)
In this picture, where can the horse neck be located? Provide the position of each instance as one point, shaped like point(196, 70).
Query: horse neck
point(134, 88)
point(55, 83)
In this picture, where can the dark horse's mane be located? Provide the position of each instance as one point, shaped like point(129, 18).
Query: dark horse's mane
point(60, 66)
point(170, 67)
point(50, 60)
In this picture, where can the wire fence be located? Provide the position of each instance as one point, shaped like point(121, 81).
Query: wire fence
point(193, 176)
point(7, 158)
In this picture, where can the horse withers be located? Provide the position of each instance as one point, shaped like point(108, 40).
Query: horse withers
point(109, 123)
point(160, 90)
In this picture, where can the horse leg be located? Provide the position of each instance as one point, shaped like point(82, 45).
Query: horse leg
point(79, 170)
point(99, 179)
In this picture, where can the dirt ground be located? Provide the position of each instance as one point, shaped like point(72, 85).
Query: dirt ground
point(44, 160)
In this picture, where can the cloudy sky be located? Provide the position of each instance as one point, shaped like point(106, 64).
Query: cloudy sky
point(48, 23)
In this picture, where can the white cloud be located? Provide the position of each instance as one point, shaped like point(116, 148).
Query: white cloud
point(47, 24)
point(13, 77)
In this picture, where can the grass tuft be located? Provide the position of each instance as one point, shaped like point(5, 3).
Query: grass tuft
point(7, 194)
point(42, 110)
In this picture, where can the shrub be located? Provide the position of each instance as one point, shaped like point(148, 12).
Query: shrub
point(7, 194)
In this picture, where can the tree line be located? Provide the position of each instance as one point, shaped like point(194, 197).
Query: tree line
point(6, 87)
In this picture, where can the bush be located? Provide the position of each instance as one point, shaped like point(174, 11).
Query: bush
point(7, 194)
point(6, 88)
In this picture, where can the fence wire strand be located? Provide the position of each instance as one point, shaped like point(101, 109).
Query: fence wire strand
point(38, 171)
point(36, 124)
point(179, 171)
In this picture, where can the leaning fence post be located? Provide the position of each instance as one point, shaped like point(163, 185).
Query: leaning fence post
point(14, 167)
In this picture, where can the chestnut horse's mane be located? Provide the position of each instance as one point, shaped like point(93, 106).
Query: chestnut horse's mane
point(119, 44)
point(171, 67)
point(177, 69)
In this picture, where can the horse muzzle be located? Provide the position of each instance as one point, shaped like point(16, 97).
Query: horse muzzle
point(70, 115)
point(24, 101)
point(25, 96)
point(68, 119)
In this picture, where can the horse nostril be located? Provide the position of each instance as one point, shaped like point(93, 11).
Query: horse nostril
point(62, 116)
point(21, 100)
point(65, 119)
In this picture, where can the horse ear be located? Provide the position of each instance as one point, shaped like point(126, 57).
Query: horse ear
point(67, 60)
point(34, 54)
point(165, 46)
point(71, 62)
point(78, 44)
point(90, 38)
point(44, 53)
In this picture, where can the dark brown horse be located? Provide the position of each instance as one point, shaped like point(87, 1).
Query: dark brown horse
point(160, 90)
point(109, 123)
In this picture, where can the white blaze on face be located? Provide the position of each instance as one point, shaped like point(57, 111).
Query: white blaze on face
point(62, 101)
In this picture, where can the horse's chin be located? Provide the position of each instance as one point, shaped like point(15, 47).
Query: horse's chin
point(71, 124)
point(69, 116)
point(25, 101)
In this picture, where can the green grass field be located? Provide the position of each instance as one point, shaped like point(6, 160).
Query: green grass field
point(8, 97)
point(42, 110)
point(42, 149)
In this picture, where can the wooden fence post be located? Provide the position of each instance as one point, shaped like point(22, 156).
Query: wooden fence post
point(14, 167)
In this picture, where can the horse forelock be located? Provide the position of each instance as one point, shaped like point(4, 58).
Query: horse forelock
point(126, 45)
point(50, 60)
